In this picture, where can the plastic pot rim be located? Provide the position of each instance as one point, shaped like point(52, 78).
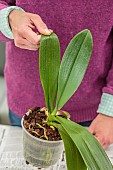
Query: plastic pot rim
point(38, 139)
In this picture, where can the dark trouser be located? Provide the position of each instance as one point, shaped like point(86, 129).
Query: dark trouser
point(14, 119)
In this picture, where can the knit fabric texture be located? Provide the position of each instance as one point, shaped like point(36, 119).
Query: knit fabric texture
point(66, 19)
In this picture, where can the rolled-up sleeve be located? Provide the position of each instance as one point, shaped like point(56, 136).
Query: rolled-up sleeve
point(5, 4)
point(4, 22)
point(106, 105)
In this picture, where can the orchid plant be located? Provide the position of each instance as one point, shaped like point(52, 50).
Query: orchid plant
point(60, 80)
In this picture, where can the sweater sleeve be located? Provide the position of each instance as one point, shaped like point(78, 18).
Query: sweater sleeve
point(6, 3)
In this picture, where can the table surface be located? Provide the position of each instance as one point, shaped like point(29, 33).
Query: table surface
point(11, 151)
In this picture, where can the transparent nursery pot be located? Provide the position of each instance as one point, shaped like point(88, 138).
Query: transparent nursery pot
point(40, 153)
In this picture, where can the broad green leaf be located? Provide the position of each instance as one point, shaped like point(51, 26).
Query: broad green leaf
point(74, 160)
point(91, 151)
point(73, 66)
point(49, 63)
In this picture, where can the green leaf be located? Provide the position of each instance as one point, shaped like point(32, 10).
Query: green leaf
point(74, 160)
point(73, 66)
point(91, 151)
point(49, 63)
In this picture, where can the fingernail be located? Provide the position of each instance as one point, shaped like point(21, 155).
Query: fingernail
point(47, 31)
point(50, 30)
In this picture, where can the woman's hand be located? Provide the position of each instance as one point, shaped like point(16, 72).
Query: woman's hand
point(102, 129)
point(23, 25)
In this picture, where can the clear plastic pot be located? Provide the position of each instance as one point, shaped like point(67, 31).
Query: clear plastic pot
point(40, 153)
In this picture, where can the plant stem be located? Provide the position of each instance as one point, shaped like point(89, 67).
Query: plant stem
point(52, 124)
point(54, 112)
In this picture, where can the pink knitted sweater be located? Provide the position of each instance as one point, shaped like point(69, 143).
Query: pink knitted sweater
point(66, 18)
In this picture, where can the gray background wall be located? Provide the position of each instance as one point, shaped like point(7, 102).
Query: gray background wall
point(4, 119)
point(2, 57)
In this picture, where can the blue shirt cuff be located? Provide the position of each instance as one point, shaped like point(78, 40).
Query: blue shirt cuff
point(106, 105)
point(4, 23)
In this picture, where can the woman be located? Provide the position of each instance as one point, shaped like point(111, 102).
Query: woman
point(21, 26)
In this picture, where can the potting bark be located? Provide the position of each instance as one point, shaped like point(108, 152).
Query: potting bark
point(36, 124)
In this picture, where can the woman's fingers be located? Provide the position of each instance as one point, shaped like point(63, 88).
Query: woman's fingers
point(25, 27)
point(31, 36)
point(25, 44)
point(40, 25)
